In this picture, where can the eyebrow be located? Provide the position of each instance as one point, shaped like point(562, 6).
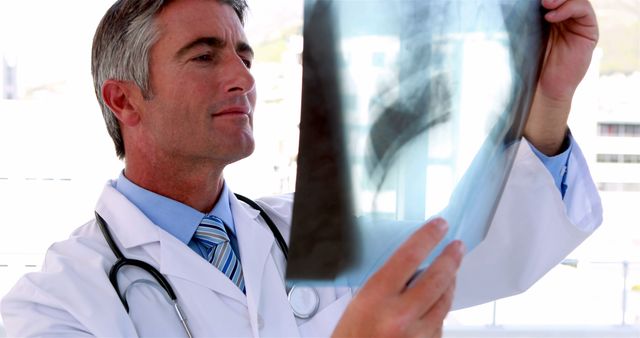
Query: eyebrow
point(217, 43)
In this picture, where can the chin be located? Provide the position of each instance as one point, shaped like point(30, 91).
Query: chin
point(243, 150)
point(248, 151)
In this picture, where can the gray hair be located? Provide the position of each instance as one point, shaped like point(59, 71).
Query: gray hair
point(121, 48)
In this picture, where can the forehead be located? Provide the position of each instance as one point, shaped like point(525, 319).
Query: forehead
point(187, 19)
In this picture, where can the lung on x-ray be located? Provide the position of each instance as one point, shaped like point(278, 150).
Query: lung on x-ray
point(410, 109)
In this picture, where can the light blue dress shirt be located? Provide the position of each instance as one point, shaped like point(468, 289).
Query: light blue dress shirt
point(181, 220)
point(177, 218)
point(557, 165)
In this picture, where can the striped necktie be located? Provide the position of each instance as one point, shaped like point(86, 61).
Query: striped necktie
point(212, 235)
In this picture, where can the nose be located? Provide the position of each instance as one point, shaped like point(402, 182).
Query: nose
point(240, 80)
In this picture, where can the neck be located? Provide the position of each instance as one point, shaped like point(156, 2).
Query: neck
point(197, 186)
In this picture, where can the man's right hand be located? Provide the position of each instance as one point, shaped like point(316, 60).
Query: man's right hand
point(395, 304)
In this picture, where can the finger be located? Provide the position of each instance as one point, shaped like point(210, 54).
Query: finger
point(552, 4)
point(396, 272)
point(430, 325)
point(441, 308)
point(578, 10)
point(436, 280)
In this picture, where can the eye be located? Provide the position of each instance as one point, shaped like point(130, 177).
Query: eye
point(203, 58)
point(247, 63)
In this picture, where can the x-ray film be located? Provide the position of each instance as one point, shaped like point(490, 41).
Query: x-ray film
point(411, 109)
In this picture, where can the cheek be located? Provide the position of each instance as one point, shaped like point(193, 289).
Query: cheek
point(252, 96)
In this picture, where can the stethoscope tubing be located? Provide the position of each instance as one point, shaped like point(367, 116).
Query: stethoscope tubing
point(122, 261)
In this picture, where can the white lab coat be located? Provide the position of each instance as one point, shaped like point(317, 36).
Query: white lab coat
point(532, 231)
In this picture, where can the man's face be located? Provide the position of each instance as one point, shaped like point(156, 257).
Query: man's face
point(203, 94)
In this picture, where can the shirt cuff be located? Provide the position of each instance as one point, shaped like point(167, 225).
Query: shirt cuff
point(557, 165)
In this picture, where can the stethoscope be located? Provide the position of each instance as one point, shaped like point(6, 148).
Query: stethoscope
point(304, 301)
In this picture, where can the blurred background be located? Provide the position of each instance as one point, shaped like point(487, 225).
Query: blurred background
point(55, 156)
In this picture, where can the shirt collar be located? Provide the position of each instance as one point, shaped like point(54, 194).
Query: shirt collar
point(222, 209)
point(178, 219)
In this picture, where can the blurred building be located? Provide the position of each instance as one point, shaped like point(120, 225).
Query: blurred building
point(617, 162)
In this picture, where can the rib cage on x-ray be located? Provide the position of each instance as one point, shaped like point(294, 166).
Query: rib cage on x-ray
point(424, 89)
point(425, 86)
point(381, 78)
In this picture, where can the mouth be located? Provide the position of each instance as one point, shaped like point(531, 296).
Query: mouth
point(234, 110)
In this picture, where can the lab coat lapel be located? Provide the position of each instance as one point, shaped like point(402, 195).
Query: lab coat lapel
point(255, 242)
point(181, 261)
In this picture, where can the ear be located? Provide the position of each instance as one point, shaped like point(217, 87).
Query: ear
point(123, 97)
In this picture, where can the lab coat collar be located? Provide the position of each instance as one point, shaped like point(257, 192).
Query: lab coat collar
point(131, 228)
point(128, 225)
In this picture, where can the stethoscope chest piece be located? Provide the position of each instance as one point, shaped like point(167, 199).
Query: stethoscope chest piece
point(304, 301)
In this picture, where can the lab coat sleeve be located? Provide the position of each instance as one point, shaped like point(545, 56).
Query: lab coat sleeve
point(29, 312)
point(70, 297)
point(532, 231)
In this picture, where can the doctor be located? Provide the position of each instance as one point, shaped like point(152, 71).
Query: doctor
point(178, 98)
